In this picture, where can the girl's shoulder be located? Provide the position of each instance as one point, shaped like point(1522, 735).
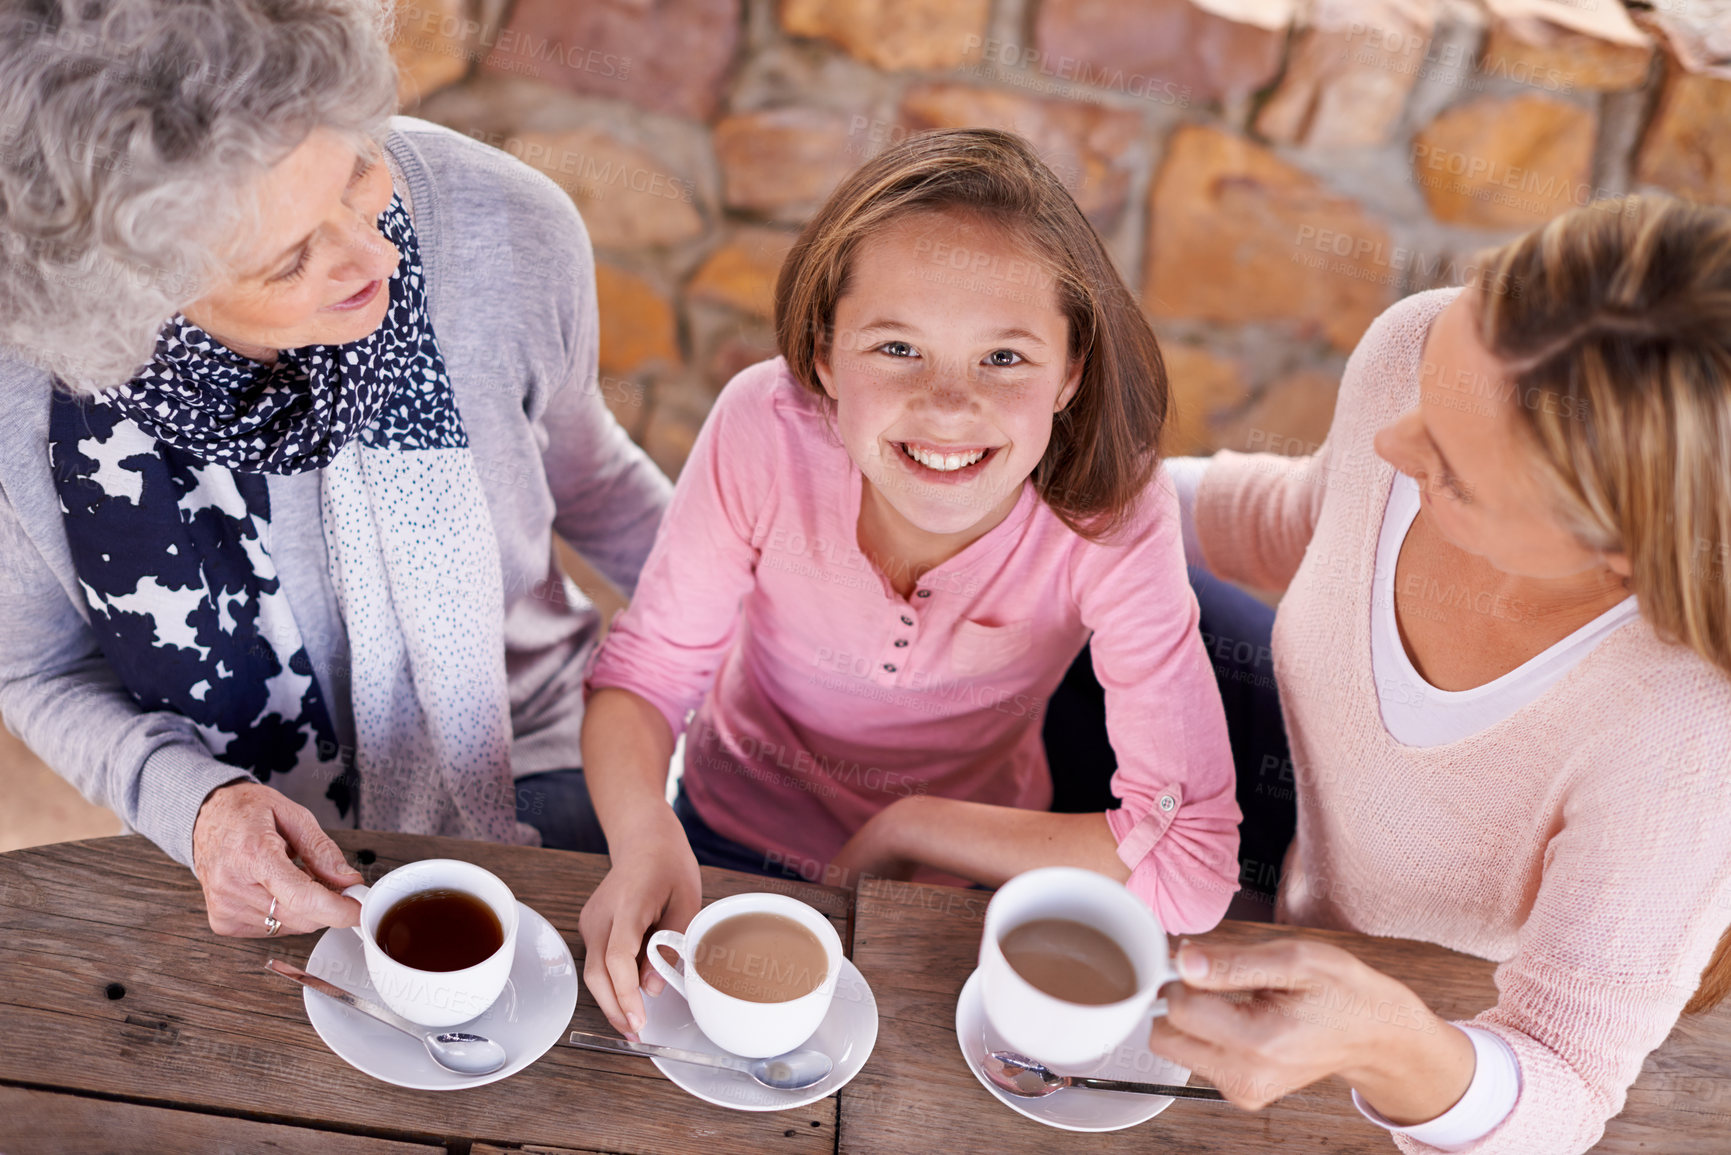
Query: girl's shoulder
point(768, 400)
point(771, 382)
point(1148, 538)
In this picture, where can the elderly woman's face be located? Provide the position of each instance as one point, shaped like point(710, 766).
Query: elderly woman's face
point(1477, 472)
point(316, 272)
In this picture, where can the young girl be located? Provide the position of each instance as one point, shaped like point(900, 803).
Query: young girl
point(886, 548)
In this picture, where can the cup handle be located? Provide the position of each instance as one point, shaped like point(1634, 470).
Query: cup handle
point(1158, 1007)
point(358, 892)
point(676, 941)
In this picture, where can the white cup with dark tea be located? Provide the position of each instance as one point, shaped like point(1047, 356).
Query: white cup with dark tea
point(1071, 964)
point(440, 936)
point(759, 971)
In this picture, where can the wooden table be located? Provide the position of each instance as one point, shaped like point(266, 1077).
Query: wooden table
point(131, 1028)
point(916, 1094)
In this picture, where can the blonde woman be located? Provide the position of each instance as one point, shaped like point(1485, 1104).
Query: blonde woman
point(1504, 663)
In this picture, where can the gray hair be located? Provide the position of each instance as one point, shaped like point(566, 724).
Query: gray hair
point(131, 133)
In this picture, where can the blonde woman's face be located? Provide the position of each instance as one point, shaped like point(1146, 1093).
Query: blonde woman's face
point(1478, 475)
point(949, 360)
point(317, 271)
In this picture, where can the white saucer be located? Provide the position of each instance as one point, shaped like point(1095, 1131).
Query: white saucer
point(847, 1035)
point(1075, 1108)
point(531, 1014)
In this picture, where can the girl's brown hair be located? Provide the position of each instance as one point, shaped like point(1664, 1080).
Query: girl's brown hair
point(1105, 442)
point(1619, 339)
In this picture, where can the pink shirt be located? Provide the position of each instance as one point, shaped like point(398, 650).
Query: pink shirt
point(823, 697)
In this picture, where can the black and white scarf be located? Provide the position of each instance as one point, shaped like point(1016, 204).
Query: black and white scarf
point(166, 509)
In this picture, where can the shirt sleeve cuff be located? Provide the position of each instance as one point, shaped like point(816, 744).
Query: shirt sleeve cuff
point(1489, 1098)
point(602, 677)
point(172, 786)
point(1186, 474)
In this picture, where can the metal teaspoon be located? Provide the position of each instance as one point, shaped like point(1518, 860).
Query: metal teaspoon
point(790, 1072)
point(1031, 1080)
point(457, 1051)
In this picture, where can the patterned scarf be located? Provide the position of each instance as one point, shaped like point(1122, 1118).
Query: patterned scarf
point(167, 512)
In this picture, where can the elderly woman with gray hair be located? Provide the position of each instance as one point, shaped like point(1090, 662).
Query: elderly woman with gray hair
point(287, 425)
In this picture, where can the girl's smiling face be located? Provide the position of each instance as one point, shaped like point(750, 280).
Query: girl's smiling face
point(948, 361)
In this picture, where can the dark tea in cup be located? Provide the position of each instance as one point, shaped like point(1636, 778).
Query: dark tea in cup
point(440, 930)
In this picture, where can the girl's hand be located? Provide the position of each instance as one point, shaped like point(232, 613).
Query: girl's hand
point(243, 843)
point(654, 885)
point(1314, 1010)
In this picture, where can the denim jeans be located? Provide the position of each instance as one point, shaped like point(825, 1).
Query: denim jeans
point(557, 804)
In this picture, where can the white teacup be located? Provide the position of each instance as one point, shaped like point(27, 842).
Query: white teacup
point(1052, 1030)
point(750, 1029)
point(437, 998)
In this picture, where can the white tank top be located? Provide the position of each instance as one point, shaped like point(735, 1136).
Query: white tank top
point(1415, 712)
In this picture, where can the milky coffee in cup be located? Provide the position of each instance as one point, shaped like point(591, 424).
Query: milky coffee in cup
point(755, 986)
point(762, 957)
point(1070, 960)
point(1071, 964)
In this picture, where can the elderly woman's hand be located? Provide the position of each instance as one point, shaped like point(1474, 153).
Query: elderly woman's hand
point(1314, 1010)
point(243, 844)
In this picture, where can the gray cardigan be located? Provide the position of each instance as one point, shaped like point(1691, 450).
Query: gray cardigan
point(511, 288)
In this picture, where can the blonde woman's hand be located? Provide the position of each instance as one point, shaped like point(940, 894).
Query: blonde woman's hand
point(1313, 1011)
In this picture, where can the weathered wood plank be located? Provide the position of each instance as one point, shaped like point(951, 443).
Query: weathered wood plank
point(917, 945)
point(535, 1149)
point(47, 1123)
point(202, 1023)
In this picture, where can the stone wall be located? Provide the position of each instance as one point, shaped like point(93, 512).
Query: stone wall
point(1268, 174)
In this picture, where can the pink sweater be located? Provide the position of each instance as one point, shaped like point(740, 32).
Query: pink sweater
point(1584, 842)
point(823, 697)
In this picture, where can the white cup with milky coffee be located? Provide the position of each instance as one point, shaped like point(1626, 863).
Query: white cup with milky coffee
point(1071, 964)
point(759, 971)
